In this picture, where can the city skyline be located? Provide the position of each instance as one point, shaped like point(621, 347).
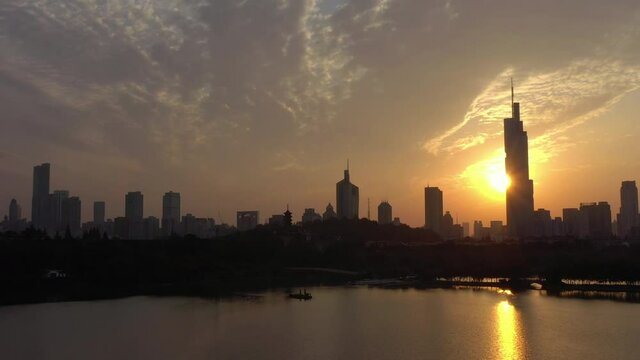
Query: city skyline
point(140, 119)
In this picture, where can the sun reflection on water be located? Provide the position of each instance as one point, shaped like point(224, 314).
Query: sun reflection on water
point(508, 331)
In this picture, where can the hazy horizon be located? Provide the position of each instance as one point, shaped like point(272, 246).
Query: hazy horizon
point(253, 105)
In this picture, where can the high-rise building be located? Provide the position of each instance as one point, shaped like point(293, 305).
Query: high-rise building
point(628, 216)
point(598, 219)
point(571, 222)
point(465, 229)
point(98, 212)
point(542, 223)
point(247, 220)
point(347, 197)
point(385, 212)
point(72, 215)
point(520, 190)
point(496, 230)
point(40, 197)
point(15, 211)
point(134, 206)
point(56, 214)
point(329, 213)
point(433, 209)
point(170, 213)
point(310, 215)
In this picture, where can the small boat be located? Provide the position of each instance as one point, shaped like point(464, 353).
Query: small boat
point(301, 295)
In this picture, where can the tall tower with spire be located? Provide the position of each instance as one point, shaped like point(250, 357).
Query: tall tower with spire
point(520, 191)
point(347, 197)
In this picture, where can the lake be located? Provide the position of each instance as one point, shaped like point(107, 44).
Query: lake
point(339, 323)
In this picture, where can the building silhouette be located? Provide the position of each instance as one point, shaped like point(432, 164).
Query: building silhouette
point(433, 209)
point(170, 213)
point(40, 196)
point(99, 208)
point(628, 216)
point(520, 191)
point(72, 215)
point(247, 220)
point(347, 197)
point(385, 213)
point(56, 213)
point(310, 215)
point(15, 211)
point(329, 213)
point(572, 222)
point(596, 220)
point(134, 206)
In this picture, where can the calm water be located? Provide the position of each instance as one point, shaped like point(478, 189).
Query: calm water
point(339, 323)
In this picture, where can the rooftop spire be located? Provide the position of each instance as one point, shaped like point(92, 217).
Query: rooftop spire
point(512, 97)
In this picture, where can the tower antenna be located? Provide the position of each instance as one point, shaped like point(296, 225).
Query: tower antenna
point(512, 96)
point(347, 164)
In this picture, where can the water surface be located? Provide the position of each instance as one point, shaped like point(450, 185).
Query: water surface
point(339, 323)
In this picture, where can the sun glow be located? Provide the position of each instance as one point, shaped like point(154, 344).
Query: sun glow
point(488, 177)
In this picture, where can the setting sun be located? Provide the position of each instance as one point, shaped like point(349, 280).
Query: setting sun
point(499, 181)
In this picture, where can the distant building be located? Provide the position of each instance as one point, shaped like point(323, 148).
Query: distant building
point(150, 228)
point(558, 227)
point(520, 191)
point(446, 228)
point(477, 229)
point(329, 213)
point(542, 223)
point(571, 222)
point(99, 208)
point(72, 215)
point(134, 206)
point(56, 202)
point(628, 216)
point(347, 198)
point(310, 215)
point(496, 230)
point(15, 211)
point(433, 209)
point(170, 213)
point(200, 227)
point(385, 212)
point(598, 219)
point(121, 228)
point(247, 220)
point(396, 221)
point(40, 197)
point(277, 219)
point(466, 229)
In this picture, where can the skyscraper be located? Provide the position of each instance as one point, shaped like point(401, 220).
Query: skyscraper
point(385, 215)
point(56, 212)
point(433, 209)
point(40, 197)
point(247, 220)
point(15, 211)
point(98, 212)
point(347, 197)
point(170, 213)
point(628, 216)
point(134, 202)
point(72, 215)
point(520, 191)
point(329, 213)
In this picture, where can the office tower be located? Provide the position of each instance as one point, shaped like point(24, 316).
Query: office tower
point(347, 197)
point(628, 216)
point(40, 197)
point(72, 215)
point(277, 220)
point(496, 230)
point(542, 224)
point(247, 220)
point(15, 211)
point(385, 213)
point(98, 212)
point(56, 218)
point(477, 229)
point(150, 228)
point(520, 190)
point(310, 215)
point(446, 227)
point(596, 220)
point(465, 229)
point(571, 222)
point(433, 209)
point(134, 202)
point(170, 213)
point(329, 213)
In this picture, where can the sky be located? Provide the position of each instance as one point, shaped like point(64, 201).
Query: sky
point(256, 104)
